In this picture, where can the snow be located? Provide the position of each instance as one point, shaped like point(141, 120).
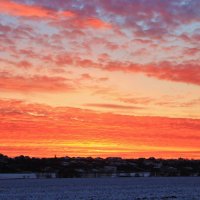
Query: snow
point(149, 188)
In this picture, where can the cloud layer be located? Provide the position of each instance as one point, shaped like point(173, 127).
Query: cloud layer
point(27, 128)
point(135, 63)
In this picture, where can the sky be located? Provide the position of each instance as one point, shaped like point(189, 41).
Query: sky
point(100, 78)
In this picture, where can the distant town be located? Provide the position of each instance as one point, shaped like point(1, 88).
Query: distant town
point(88, 167)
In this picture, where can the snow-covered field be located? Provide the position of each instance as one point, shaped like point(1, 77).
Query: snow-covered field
point(187, 188)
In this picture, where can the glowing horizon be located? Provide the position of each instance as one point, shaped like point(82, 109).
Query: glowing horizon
point(104, 78)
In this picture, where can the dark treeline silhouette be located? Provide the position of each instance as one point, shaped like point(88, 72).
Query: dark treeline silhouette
point(65, 167)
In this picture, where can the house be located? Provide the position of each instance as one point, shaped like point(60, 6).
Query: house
point(17, 176)
point(110, 169)
point(144, 174)
point(46, 175)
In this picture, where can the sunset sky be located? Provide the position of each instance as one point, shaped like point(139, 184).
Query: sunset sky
point(100, 78)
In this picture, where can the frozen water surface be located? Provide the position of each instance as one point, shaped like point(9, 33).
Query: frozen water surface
point(187, 188)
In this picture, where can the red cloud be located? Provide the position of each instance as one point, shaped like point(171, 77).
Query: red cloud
point(184, 72)
point(86, 77)
point(34, 83)
point(187, 73)
point(137, 100)
point(24, 64)
point(191, 51)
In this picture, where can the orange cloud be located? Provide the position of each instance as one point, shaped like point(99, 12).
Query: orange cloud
point(111, 106)
point(95, 23)
point(78, 23)
point(11, 8)
point(40, 130)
